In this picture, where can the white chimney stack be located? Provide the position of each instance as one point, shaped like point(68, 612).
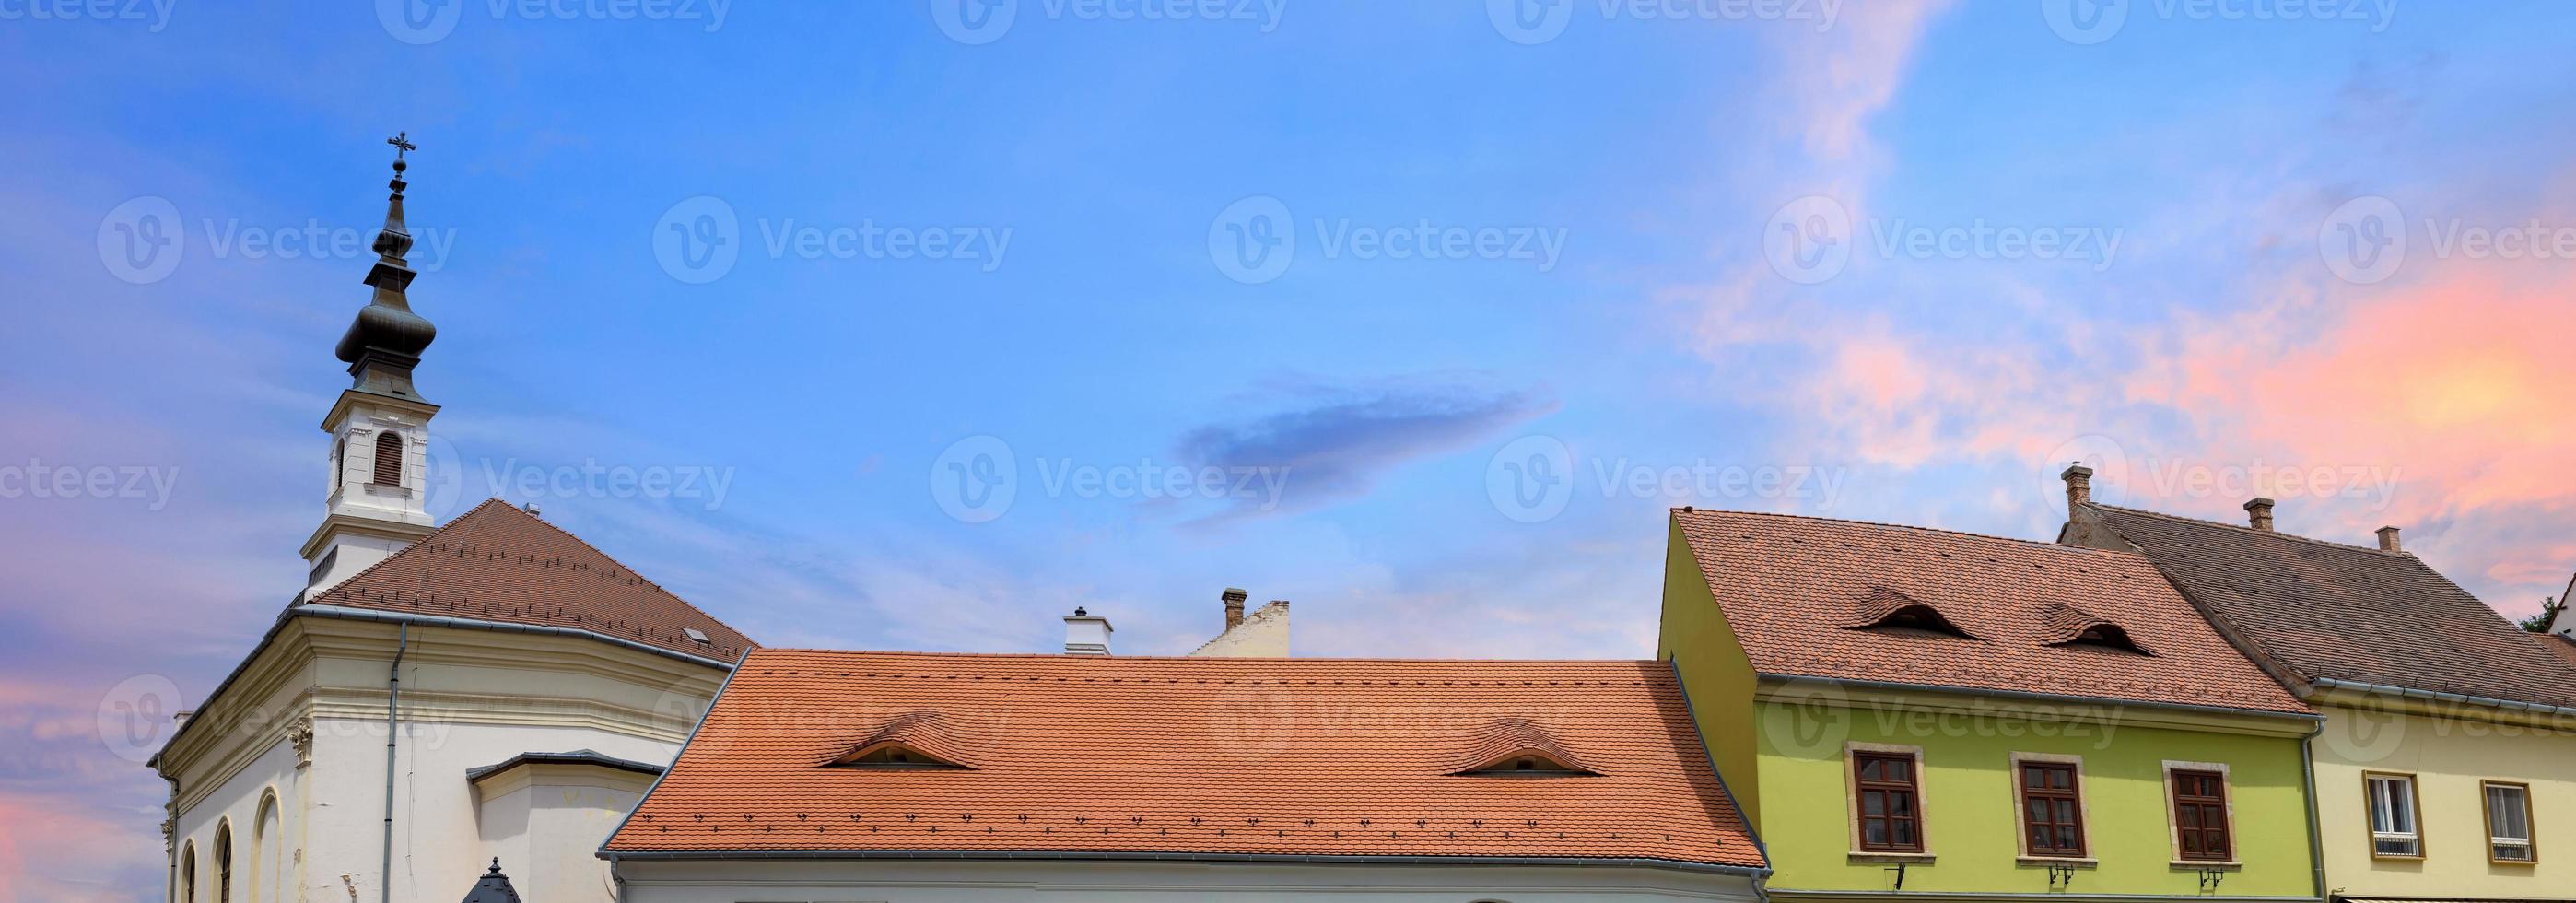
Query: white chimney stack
point(1086, 634)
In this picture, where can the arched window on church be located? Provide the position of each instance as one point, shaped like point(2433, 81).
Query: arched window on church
point(188, 873)
point(224, 863)
point(268, 853)
point(388, 459)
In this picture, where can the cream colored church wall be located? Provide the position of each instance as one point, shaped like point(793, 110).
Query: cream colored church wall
point(260, 873)
point(470, 698)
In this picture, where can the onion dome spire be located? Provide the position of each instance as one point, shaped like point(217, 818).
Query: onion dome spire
point(384, 343)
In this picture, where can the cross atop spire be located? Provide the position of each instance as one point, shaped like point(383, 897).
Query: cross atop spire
point(402, 144)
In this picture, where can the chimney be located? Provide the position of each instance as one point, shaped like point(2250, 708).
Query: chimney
point(1234, 606)
point(2079, 487)
point(2258, 514)
point(1086, 634)
point(2388, 540)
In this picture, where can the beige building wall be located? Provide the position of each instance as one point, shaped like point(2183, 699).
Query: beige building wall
point(1263, 634)
point(2449, 750)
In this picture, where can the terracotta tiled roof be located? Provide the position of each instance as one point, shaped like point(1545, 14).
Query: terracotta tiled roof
point(2560, 646)
point(1212, 757)
point(1788, 586)
point(498, 563)
point(2325, 609)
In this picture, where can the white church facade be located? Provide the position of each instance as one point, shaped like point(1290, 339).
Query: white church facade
point(532, 687)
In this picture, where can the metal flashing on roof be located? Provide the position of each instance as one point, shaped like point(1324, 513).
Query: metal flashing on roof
point(575, 757)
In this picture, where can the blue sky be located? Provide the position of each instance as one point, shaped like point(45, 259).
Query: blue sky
point(1610, 293)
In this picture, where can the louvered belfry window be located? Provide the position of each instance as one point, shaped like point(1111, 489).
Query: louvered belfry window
point(389, 461)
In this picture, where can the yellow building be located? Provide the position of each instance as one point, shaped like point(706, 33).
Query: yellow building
point(2447, 765)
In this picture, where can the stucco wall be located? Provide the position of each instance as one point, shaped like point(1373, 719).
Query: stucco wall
point(2448, 757)
point(471, 698)
point(1694, 636)
point(260, 872)
point(1971, 820)
point(1263, 634)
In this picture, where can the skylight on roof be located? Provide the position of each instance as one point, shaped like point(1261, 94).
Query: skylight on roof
point(697, 636)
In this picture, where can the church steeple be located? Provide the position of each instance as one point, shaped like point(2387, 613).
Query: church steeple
point(380, 425)
point(384, 343)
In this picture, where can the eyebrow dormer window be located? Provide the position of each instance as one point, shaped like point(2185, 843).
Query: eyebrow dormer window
point(2067, 625)
point(916, 741)
point(1921, 617)
point(1528, 765)
point(1887, 609)
point(2107, 636)
point(1518, 748)
point(894, 757)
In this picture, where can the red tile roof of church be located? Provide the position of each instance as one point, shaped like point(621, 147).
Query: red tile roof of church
point(498, 563)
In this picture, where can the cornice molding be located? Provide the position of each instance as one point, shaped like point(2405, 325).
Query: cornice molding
point(1945, 701)
point(233, 729)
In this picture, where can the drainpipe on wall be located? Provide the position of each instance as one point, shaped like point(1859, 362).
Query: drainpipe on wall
point(393, 725)
point(2308, 774)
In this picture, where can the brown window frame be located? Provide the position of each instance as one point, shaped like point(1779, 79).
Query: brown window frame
point(1910, 789)
point(2530, 828)
point(2068, 801)
point(389, 460)
point(2414, 814)
point(2202, 805)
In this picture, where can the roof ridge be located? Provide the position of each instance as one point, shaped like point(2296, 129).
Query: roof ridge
point(302, 600)
point(497, 502)
point(2035, 543)
point(2241, 528)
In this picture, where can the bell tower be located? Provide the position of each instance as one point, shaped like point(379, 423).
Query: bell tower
point(380, 425)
